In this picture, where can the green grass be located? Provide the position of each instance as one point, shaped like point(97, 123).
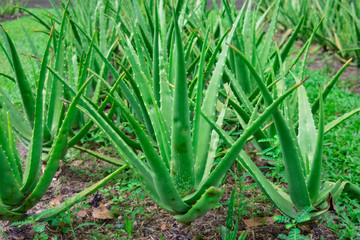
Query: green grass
point(23, 47)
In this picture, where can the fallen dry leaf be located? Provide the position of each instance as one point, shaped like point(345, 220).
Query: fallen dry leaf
point(258, 222)
point(56, 201)
point(102, 213)
point(83, 212)
point(163, 227)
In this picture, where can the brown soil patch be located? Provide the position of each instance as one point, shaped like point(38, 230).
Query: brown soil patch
point(323, 59)
point(151, 222)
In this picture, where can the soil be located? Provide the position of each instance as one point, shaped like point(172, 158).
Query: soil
point(151, 222)
point(324, 59)
point(5, 18)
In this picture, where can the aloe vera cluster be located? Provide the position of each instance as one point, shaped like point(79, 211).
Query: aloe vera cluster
point(174, 72)
point(44, 130)
point(340, 31)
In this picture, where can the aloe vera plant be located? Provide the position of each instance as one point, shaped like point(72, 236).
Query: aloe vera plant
point(54, 92)
point(23, 189)
point(177, 172)
point(302, 153)
point(340, 31)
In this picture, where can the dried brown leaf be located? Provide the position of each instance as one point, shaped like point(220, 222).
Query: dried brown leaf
point(56, 201)
point(102, 213)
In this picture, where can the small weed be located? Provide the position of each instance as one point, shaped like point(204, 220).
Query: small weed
point(294, 233)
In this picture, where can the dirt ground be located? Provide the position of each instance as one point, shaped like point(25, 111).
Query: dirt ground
point(152, 222)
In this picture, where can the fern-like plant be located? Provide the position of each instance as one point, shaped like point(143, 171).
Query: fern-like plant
point(291, 223)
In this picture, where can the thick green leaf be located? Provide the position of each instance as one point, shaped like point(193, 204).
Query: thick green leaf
point(208, 107)
point(33, 163)
point(68, 203)
point(207, 201)
point(292, 158)
point(307, 133)
point(314, 178)
point(24, 86)
point(182, 165)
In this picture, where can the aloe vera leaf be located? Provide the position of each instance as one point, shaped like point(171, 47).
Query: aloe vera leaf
point(222, 168)
point(83, 71)
point(259, 134)
point(23, 84)
point(214, 55)
point(33, 163)
point(330, 85)
point(57, 91)
point(133, 144)
point(30, 41)
point(108, 159)
point(150, 22)
point(207, 201)
point(68, 203)
point(156, 56)
point(352, 189)
point(140, 19)
point(248, 32)
point(145, 61)
point(214, 140)
point(100, 119)
point(285, 206)
point(302, 69)
point(127, 92)
point(289, 44)
point(7, 215)
point(307, 133)
point(208, 108)
point(56, 153)
point(15, 152)
point(47, 26)
point(325, 190)
point(147, 45)
point(182, 165)
point(122, 148)
point(292, 158)
point(314, 178)
point(88, 126)
point(241, 72)
point(166, 92)
point(7, 143)
point(19, 122)
point(161, 133)
point(145, 116)
point(341, 119)
point(199, 91)
point(238, 91)
point(102, 28)
point(10, 193)
point(265, 50)
point(166, 189)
